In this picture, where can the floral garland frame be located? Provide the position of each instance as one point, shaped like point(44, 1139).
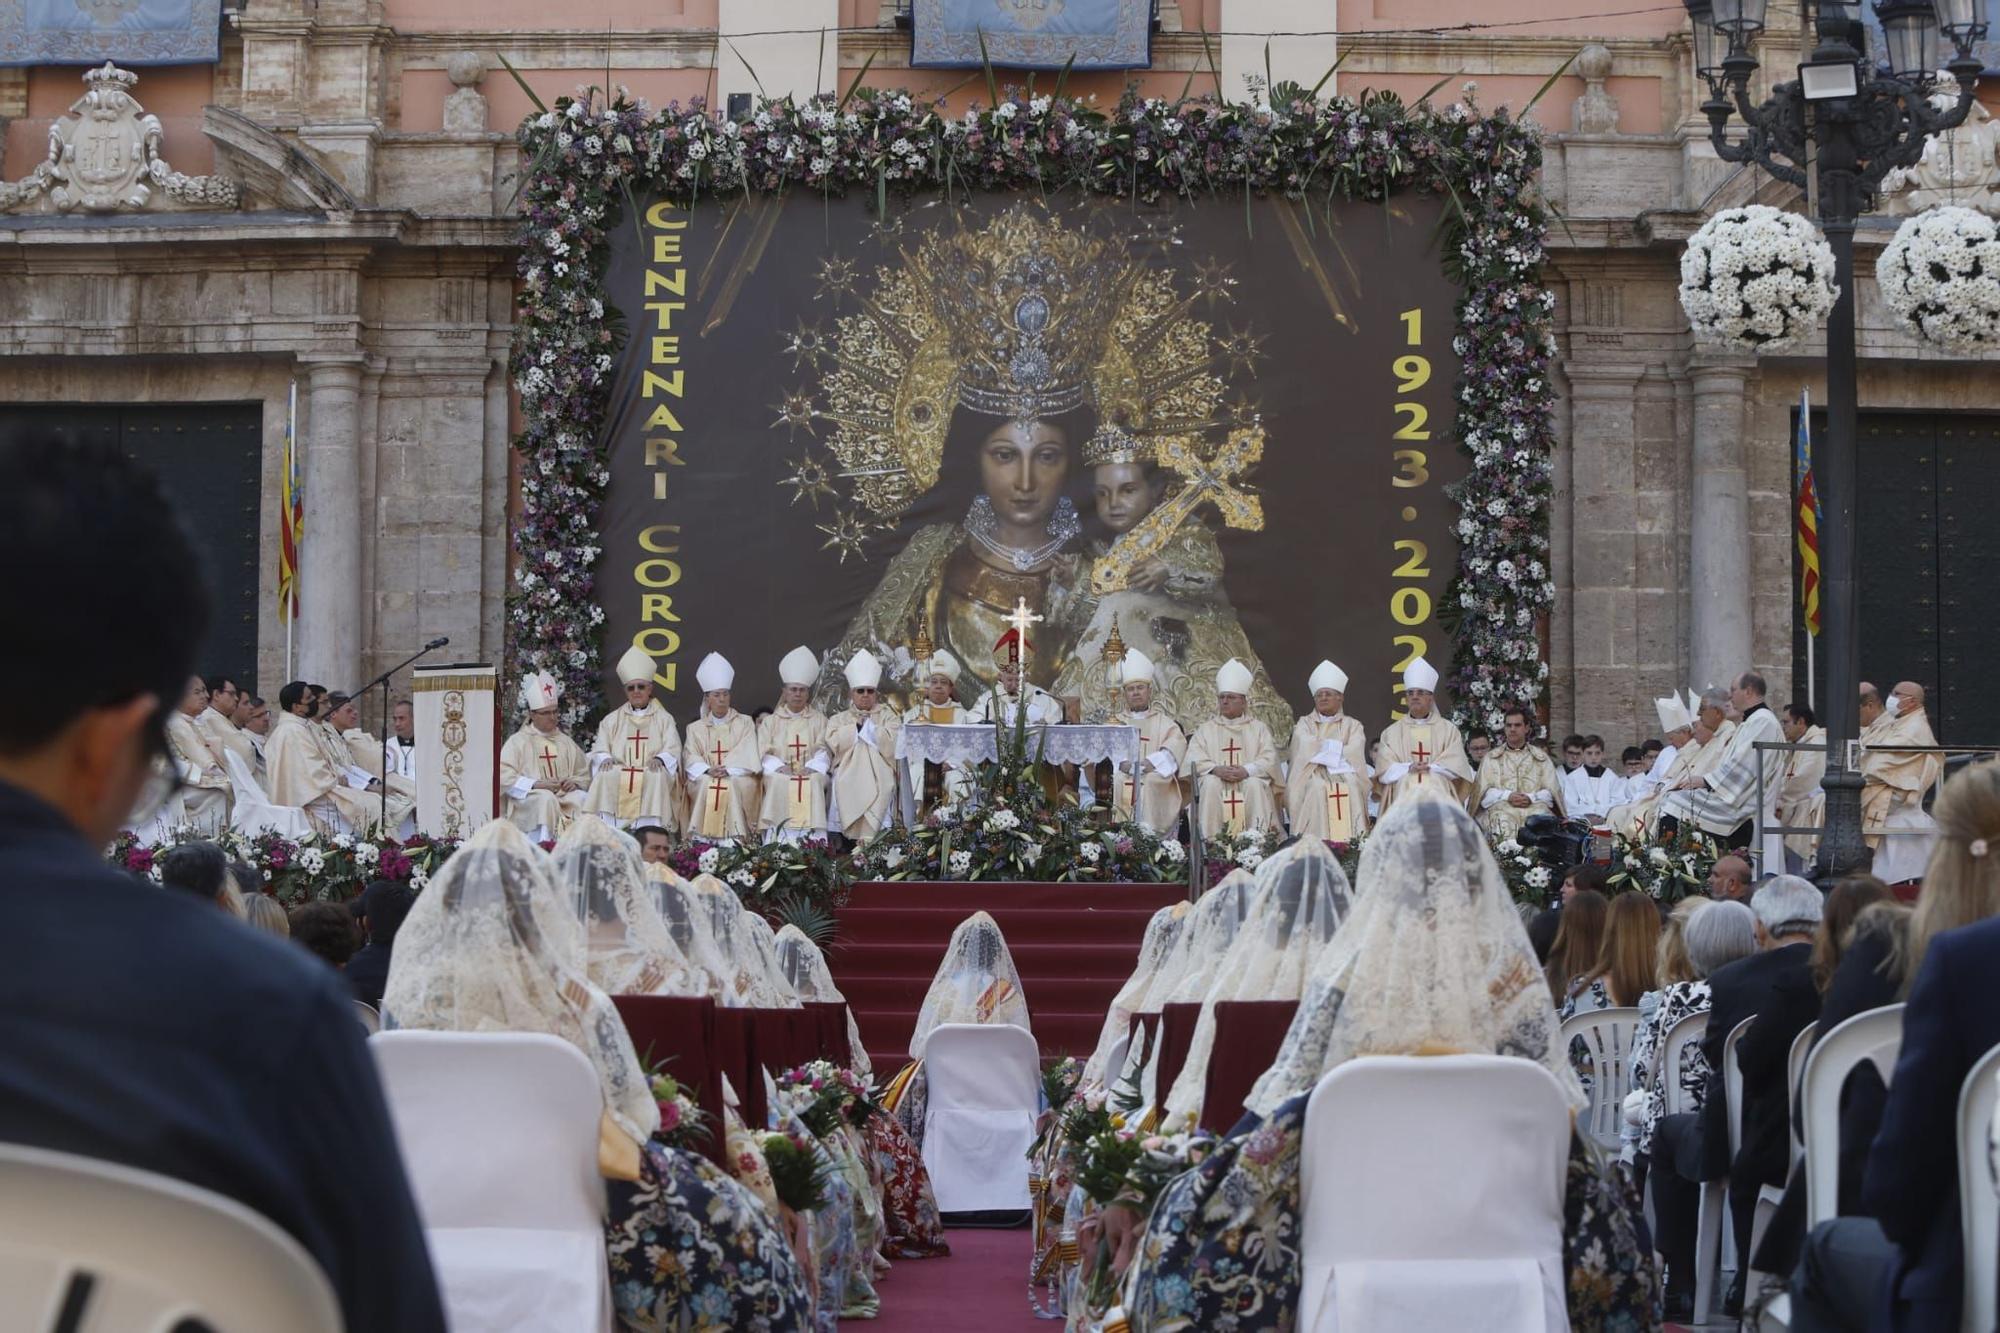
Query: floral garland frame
point(589, 158)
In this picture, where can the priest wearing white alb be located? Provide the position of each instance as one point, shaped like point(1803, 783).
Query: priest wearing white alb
point(1893, 784)
point(796, 762)
point(1422, 755)
point(1149, 790)
point(1802, 801)
point(206, 793)
point(1010, 693)
point(1326, 788)
point(864, 739)
point(721, 760)
point(637, 755)
point(1234, 761)
point(1593, 788)
point(217, 724)
point(932, 783)
point(299, 773)
point(1723, 801)
point(365, 752)
point(1517, 781)
point(544, 776)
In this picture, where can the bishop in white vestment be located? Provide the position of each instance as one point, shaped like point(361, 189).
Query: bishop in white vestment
point(796, 762)
point(863, 738)
point(207, 793)
point(1422, 755)
point(1517, 781)
point(1150, 790)
point(637, 754)
point(1326, 788)
point(299, 773)
point(224, 737)
point(1234, 761)
point(544, 776)
point(721, 759)
point(1723, 802)
point(1892, 782)
point(937, 706)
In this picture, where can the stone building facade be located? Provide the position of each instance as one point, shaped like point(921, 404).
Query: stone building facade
point(348, 233)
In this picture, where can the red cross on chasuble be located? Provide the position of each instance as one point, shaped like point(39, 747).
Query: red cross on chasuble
point(715, 810)
point(548, 758)
point(1339, 817)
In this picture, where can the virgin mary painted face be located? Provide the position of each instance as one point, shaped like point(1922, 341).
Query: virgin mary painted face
point(1023, 468)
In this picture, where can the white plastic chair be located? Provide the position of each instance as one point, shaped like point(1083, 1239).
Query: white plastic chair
point(1875, 1036)
point(148, 1252)
point(1606, 1034)
point(1978, 1199)
point(1795, 1078)
point(499, 1136)
point(253, 812)
point(370, 1018)
point(1386, 1137)
point(1686, 1033)
point(985, 1084)
point(1711, 1233)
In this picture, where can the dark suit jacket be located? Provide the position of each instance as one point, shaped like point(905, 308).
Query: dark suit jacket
point(1776, 988)
point(1953, 1019)
point(148, 1028)
point(367, 972)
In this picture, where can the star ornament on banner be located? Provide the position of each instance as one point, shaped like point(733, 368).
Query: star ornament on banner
point(837, 276)
point(808, 346)
point(795, 413)
point(846, 534)
point(809, 480)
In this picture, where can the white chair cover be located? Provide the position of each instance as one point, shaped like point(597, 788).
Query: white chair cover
point(499, 1135)
point(985, 1085)
point(253, 812)
point(158, 1251)
point(1388, 1136)
point(1605, 1036)
point(1978, 1197)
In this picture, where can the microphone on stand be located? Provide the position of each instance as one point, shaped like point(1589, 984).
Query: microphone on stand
point(437, 643)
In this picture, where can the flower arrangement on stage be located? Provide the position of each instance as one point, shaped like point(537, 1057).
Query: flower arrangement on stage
point(793, 883)
point(1757, 278)
point(590, 161)
point(297, 870)
point(825, 1096)
point(1941, 276)
point(1668, 870)
point(1529, 879)
point(1238, 851)
point(1064, 845)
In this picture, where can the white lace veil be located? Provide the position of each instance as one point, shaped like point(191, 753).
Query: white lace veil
point(805, 967)
point(687, 922)
point(762, 946)
point(976, 983)
point(1211, 929)
point(489, 947)
point(1163, 932)
point(1433, 957)
point(628, 949)
point(746, 983)
point(1300, 899)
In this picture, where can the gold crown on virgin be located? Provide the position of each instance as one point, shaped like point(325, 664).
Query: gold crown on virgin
point(1022, 317)
point(1112, 443)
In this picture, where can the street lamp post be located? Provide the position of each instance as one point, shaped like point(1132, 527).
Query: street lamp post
point(1855, 124)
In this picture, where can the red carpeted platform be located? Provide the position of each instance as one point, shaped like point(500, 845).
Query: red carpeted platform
point(981, 1288)
point(1074, 943)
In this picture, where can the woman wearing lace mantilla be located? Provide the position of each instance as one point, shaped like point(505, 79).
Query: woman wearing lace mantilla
point(976, 983)
point(1432, 960)
point(492, 946)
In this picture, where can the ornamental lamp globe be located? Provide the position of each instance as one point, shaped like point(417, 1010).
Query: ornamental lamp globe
point(1742, 19)
point(1962, 22)
point(1910, 29)
point(1709, 45)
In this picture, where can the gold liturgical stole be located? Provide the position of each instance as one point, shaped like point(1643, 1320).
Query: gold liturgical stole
point(1421, 749)
point(715, 809)
point(1339, 811)
point(798, 801)
point(632, 777)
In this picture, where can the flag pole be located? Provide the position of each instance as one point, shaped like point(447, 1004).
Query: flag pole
point(287, 591)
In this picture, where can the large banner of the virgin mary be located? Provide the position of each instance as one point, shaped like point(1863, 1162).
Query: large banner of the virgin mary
point(1197, 432)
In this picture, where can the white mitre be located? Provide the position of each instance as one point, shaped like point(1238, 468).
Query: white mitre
point(541, 690)
point(1234, 678)
point(798, 667)
point(1327, 676)
point(1420, 675)
point(635, 666)
point(1136, 666)
point(715, 673)
point(1673, 714)
point(863, 671)
point(943, 664)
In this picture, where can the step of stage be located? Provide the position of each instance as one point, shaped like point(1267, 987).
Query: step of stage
point(1075, 944)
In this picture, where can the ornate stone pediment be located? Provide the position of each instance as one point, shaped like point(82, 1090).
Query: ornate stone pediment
point(1960, 166)
point(104, 157)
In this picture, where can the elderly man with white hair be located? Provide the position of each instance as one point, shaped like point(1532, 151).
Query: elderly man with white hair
point(1774, 988)
point(1326, 793)
point(1724, 801)
point(1148, 789)
point(1234, 761)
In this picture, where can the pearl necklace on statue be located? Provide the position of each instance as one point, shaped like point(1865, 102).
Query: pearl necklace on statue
point(982, 525)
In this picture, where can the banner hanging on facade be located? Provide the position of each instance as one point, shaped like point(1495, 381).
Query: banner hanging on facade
point(128, 32)
point(1202, 431)
point(1031, 34)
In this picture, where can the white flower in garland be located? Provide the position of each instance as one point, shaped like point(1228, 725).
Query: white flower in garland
point(1757, 278)
point(961, 862)
point(1174, 852)
point(1941, 276)
point(1538, 878)
point(707, 861)
point(742, 878)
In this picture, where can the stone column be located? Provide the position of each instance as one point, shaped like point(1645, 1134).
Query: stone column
point(330, 563)
point(1603, 546)
point(1719, 524)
